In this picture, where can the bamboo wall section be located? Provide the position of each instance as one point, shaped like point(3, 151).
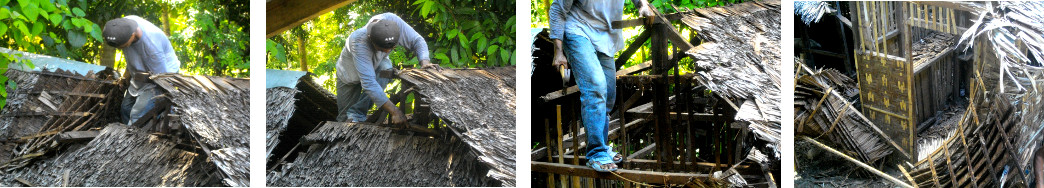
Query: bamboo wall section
point(897, 93)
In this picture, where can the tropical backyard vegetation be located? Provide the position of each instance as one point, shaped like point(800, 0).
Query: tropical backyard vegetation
point(210, 37)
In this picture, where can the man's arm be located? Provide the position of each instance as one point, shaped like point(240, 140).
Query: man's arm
point(413, 41)
point(556, 20)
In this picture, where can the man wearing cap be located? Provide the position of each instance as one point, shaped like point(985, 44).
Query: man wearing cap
point(146, 51)
point(365, 54)
point(585, 40)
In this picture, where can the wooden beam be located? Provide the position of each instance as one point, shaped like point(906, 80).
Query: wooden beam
point(857, 162)
point(620, 24)
point(573, 89)
point(649, 177)
point(75, 136)
point(282, 15)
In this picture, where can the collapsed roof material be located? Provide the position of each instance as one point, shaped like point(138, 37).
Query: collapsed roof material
point(292, 97)
point(740, 60)
point(812, 11)
point(365, 154)
point(121, 156)
point(822, 109)
point(479, 105)
point(215, 112)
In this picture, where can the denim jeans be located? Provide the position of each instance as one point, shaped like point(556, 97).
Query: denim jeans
point(352, 101)
point(595, 75)
point(134, 107)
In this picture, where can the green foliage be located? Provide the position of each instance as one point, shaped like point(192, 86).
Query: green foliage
point(214, 40)
point(43, 27)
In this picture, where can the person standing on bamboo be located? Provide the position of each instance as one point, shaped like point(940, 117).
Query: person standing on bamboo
point(585, 40)
point(365, 54)
point(146, 50)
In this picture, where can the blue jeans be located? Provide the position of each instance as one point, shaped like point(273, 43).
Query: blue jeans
point(352, 102)
point(134, 107)
point(595, 75)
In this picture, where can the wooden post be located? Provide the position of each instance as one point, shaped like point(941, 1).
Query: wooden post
point(558, 124)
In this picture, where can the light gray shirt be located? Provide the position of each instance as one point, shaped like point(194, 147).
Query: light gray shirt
point(153, 52)
point(360, 61)
point(591, 19)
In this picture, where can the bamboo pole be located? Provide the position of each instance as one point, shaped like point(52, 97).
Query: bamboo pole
point(858, 163)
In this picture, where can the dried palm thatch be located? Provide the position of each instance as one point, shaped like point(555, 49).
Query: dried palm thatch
point(294, 100)
point(48, 103)
point(740, 58)
point(279, 107)
point(812, 11)
point(214, 111)
point(119, 156)
point(479, 105)
point(821, 101)
point(363, 154)
point(1010, 29)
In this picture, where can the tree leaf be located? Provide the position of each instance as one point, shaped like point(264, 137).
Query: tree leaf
point(78, 12)
point(4, 13)
point(46, 5)
point(30, 12)
point(56, 19)
point(21, 27)
point(3, 29)
point(96, 33)
point(37, 28)
point(76, 39)
point(504, 55)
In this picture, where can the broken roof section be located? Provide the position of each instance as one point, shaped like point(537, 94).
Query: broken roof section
point(214, 111)
point(293, 97)
point(480, 106)
point(121, 156)
point(365, 154)
point(739, 60)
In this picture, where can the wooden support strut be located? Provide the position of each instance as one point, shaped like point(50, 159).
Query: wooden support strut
point(633, 175)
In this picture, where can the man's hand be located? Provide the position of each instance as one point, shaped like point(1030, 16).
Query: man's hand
point(397, 118)
point(426, 64)
point(560, 59)
point(646, 10)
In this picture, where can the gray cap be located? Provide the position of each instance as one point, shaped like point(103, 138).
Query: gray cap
point(118, 31)
point(383, 33)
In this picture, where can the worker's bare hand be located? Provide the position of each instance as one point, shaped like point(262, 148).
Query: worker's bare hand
point(646, 10)
point(560, 59)
point(397, 117)
point(426, 64)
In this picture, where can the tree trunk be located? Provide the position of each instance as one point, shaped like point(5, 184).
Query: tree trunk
point(301, 41)
point(166, 19)
point(108, 56)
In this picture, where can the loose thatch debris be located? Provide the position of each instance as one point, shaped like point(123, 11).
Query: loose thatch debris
point(46, 103)
point(821, 101)
point(121, 156)
point(215, 113)
point(740, 60)
point(293, 98)
point(931, 46)
point(363, 154)
point(812, 11)
point(479, 105)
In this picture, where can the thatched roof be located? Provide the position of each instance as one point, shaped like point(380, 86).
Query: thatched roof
point(364, 154)
point(294, 99)
point(812, 11)
point(739, 60)
point(215, 112)
point(480, 106)
point(119, 156)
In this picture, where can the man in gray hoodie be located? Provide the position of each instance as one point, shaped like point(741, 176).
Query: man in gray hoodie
point(365, 54)
point(147, 50)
